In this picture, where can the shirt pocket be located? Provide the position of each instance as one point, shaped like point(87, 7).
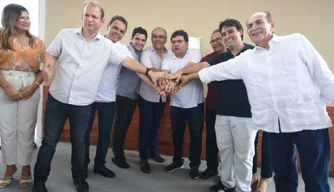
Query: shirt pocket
point(303, 114)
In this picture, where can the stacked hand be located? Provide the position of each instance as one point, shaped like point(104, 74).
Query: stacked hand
point(167, 86)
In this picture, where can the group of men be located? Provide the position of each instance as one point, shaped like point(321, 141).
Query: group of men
point(273, 86)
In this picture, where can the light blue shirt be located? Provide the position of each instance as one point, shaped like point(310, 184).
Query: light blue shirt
point(80, 65)
point(287, 84)
point(128, 81)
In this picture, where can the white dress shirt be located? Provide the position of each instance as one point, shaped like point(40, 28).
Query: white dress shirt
point(80, 65)
point(107, 88)
point(190, 95)
point(286, 84)
point(149, 58)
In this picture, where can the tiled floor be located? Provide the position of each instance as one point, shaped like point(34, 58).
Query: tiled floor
point(128, 180)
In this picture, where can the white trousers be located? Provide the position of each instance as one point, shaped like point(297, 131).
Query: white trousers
point(235, 140)
point(18, 120)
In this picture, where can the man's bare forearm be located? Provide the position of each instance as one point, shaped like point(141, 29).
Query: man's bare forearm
point(194, 68)
point(146, 79)
point(193, 76)
point(133, 65)
point(49, 60)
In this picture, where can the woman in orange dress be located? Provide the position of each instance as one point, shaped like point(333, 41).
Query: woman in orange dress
point(21, 56)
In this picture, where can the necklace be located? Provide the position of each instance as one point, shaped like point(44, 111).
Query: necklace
point(23, 42)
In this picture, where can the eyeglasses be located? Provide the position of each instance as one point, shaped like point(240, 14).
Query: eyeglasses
point(217, 40)
point(158, 36)
point(177, 41)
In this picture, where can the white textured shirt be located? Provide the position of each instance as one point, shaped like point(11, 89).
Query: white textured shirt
point(80, 65)
point(286, 85)
point(190, 95)
point(149, 58)
point(107, 88)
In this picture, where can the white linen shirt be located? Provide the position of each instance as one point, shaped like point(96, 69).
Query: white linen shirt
point(149, 58)
point(80, 65)
point(107, 88)
point(190, 95)
point(286, 84)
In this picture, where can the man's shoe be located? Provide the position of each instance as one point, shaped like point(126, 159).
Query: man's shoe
point(220, 187)
point(120, 162)
point(173, 166)
point(81, 184)
point(39, 188)
point(208, 173)
point(156, 157)
point(105, 172)
point(194, 173)
point(144, 166)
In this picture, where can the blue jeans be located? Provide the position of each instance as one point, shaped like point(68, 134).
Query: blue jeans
point(149, 125)
point(266, 168)
point(211, 141)
point(125, 107)
point(314, 152)
point(56, 114)
point(195, 117)
point(106, 113)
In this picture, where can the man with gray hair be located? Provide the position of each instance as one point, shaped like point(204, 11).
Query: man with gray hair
point(151, 105)
point(288, 82)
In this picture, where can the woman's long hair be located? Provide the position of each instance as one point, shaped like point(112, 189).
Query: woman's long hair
point(10, 15)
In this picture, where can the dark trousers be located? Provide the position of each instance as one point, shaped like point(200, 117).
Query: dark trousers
point(106, 113)
point(56, 114)
point(266, 168)
point(194, 117)
point(314, 152)
point(211, 141)
point(149, 125)
point(125, 108)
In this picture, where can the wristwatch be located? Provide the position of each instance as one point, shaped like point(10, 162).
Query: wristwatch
point(147, 70)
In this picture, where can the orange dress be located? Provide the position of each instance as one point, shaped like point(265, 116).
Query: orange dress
point(24, 57)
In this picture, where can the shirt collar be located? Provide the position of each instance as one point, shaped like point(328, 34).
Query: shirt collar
point(168, 52)
point(132, 49)
point(97, 37)
point(245, 48)
point(273, 40)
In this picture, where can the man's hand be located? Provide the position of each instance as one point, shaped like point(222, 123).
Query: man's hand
point(177, 75)
point(170, 86)
point(155, 76)
point(176, 88)
point(162, 83)
point(184, 80)
point(12, 93)
point(160, 91)
point(27, 91)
